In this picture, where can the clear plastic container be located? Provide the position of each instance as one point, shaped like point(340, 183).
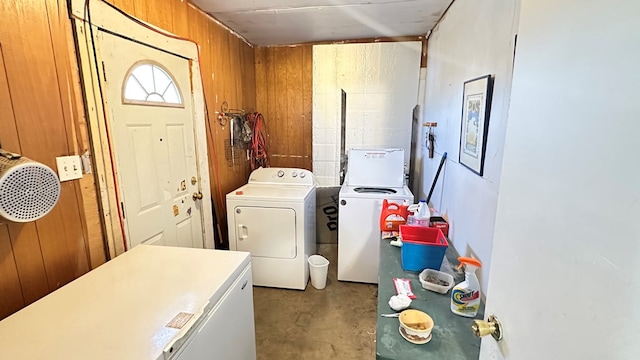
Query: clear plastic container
point(435, 280)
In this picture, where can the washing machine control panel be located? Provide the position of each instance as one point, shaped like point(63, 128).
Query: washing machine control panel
point(290, 176)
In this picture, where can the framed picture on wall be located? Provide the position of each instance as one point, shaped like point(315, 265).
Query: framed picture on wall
point(476, 106)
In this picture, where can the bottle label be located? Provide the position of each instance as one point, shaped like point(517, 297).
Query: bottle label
point(461, 299)
point(468, 308)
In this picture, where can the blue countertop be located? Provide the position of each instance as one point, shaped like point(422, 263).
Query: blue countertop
point(452, 338)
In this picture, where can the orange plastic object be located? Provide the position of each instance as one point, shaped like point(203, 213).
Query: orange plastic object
point(239, 192)
point(471, 261)
point(392, 216)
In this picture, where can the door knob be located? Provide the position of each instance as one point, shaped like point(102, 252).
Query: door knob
point(196, 196)
point(491, 327)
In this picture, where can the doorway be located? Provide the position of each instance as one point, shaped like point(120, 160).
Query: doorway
point(146, 93)
point(145, 109)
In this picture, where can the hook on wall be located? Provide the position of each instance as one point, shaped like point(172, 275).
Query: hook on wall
point(225, 113)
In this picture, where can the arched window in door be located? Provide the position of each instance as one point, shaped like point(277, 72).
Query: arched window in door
point(148, 83)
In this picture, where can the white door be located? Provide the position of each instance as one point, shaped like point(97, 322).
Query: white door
point(565, 275)
point(266, 231)
point(149, 105)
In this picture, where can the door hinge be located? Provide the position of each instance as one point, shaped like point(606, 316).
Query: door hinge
point(122, 207)
point(104, 72)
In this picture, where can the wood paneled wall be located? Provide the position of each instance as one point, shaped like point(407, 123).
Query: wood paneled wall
point(39, 119)
point(284, 89)
point(227, 65)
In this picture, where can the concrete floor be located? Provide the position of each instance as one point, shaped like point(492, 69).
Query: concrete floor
point(338, 322)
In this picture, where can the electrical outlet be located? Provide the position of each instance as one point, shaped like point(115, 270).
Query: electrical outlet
point(69, 167)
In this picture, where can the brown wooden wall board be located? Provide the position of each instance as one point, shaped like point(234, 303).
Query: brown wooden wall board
point(160, 14)
point(29, 262)
point(43, 130)
point(62, 241)
point(283, 94)
point(11, 299)
point(295, 111)
point(248, 77)
point(180, 17)
point(269, 109)
point(32, 78)
point(23, 246)
point(279, 123)
point(261, 78)
point(8, 131)
point(140, 9)
point(307, 102)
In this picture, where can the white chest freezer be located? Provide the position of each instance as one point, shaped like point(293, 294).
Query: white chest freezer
point(152, 302)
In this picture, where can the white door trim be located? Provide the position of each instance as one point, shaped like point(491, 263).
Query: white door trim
point(105, 17)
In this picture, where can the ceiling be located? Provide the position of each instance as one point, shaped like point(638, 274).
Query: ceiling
point(283, 22)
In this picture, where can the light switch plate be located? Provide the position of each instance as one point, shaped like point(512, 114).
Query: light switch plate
point(69, 167)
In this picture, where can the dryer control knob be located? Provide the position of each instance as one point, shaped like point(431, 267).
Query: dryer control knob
point(343, 202)
point(294, 174)
point(302, 175)
point(280, 173)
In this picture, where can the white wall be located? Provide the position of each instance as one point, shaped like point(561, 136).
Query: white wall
point(474, 38)
point(381, 82)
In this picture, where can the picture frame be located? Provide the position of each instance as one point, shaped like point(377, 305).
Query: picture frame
point(476, 110)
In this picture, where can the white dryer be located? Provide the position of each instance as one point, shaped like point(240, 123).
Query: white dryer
point(273, 217)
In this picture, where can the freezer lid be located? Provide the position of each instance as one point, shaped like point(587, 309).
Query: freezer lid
point(129, 308)
point(375, 167)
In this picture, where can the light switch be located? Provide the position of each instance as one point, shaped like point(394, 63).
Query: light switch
point(69, 167)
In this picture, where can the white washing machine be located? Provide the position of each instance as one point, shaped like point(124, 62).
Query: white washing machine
point(372, 176)
point(273, 217)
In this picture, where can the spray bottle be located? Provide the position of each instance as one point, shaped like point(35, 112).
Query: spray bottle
point(465, 296)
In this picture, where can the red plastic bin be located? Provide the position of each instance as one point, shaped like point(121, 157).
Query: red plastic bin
point(422, 248)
